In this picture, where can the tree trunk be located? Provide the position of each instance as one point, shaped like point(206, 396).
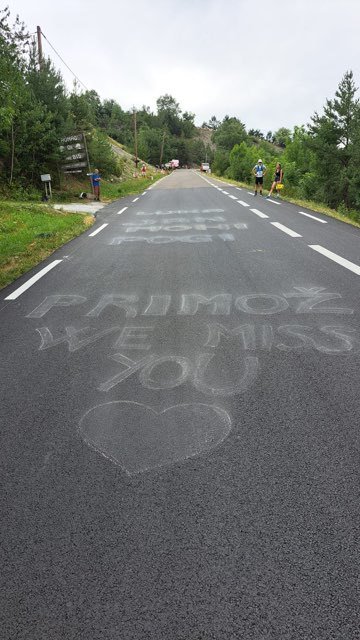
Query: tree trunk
point(12, 152)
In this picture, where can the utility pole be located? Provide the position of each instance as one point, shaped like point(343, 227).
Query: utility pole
point(162, 149)
point(40, 51)
point(135, 140)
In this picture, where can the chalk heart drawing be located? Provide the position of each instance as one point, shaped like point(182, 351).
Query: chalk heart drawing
point(139, 439)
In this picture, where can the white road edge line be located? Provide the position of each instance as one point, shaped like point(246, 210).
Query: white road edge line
point(122, 211)
point(91, 235)
point(313, 217)
point(259, 213)
point(136, 199)
point(274, 202)
point(226, 193)
point(244, 204)
point(282, 227)
point(333, 256)
point(250, 193)
point(233, 197)
point(15, 294)
point(238, 188)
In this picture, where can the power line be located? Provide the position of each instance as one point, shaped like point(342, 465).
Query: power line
point(63, 61)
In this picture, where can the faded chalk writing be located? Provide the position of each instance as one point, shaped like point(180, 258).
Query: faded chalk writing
point(131, 367)
point(72, 337)
point(55, 301)
point(175, 228)
point(251, 370)
point(326, 339)
point(154, 221)
point(134, 338)
point(191, 239)
point(168, 372)
point(178, 212)
point(168, 380)
point(125, 302)
point(218, 305)
point(137, 438)
point(158, 306)
point(267, 303)
point(316, 295)
point(313, 300)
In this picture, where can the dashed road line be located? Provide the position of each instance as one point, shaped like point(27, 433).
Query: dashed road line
point(313, 217)
point(94, 233)
point(333, 256)
point(15, 294)
point(233, 197)
point(274, 202)
point(244, 204)
point(226, 193)
point(259, 213)
point(282, 227)
point(250, 193)
point(136, 199)
point(122, 211)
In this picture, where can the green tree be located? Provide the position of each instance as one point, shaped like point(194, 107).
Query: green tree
point(221, 161)
point(282, 137)
point(229, 133)
point(334, 142)
point(169, 114)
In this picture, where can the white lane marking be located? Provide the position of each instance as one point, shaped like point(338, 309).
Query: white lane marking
point(273, 201)
point(282, 227)
point(98, 230)
point(244, 204)
point(313, 217)
point(136, 199)
point(233, 197)
point(238, 188)
point(250, 193)
point(333, 256)
point(15, 294)
point(122, 211)
point(143, 193)
point(259, 213)
point(226, 193)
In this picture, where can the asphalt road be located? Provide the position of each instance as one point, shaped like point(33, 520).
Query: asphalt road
point(180, 425)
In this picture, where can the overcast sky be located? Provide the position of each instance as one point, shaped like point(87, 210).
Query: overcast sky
point(270, 63)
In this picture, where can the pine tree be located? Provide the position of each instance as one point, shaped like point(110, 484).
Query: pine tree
point(334, 135)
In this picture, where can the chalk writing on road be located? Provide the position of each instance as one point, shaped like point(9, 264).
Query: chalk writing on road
point(175, 227)
point(187, 239)
point(137, 438)
point(327, 339)
point(178, 212)
point(226, 340)
point(300, 300)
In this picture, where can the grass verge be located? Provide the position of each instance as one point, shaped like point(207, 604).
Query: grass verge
point(114, 190)
point(110, 189)
point(307, 204)
point(29, 233)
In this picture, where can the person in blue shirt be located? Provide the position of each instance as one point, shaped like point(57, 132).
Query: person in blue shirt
point(259, 172)
point(95, 179)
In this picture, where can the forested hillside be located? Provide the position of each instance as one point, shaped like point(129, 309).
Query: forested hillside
point(321, 160)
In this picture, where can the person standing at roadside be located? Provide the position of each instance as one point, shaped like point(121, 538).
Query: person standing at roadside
point(95, 179)
point(278, 178)
point(259, 172)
